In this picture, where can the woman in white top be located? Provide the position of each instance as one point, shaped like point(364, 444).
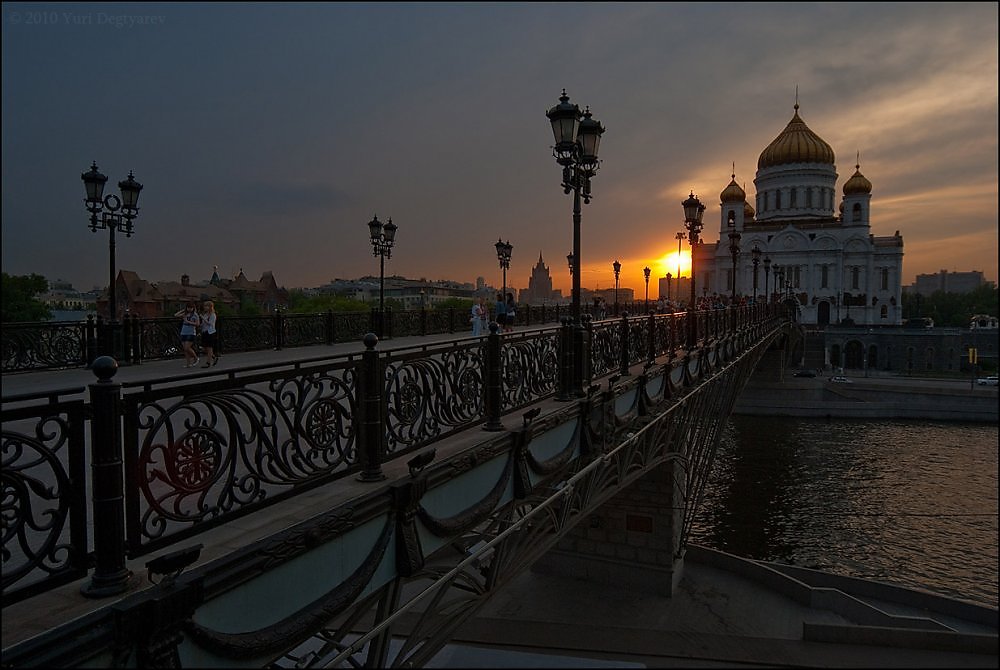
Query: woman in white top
point(478, 318)
point(208, 329)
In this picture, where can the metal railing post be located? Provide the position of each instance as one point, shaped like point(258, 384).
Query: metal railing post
point(494, 379)
point(624, 360)
point(90, 330)
point(107, 485)
point(329, 326)
point(652, 336)
point(371, 434)
point(565, 360)
point(278, 339)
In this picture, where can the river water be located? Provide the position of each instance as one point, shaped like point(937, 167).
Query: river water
point(908, 502)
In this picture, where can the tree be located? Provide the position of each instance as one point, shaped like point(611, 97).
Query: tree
point(19, 301)
point(952, 310)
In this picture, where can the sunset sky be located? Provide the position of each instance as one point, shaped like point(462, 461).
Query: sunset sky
point(267, 135)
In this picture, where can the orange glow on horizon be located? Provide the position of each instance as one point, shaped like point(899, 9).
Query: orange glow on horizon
point(670, 263)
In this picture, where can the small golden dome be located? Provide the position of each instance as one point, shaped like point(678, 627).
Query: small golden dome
point(733, 192)
point(748, 211)
point(796, 144)
point(857, 183)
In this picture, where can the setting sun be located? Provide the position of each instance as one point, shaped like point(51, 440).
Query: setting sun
point(669, 263)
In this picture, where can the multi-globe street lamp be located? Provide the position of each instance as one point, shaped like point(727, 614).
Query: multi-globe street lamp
point(503, 255)
point(645, 273)
point(767, 269)
point(693, 213)
point(617, 267)
point(734, 251)
point(755, 259)
point(109, 207)
point(577, 140)
point(680, 238)
point(382, 239)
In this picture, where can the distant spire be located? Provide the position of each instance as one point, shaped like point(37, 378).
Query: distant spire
point(796, 97)
point(858, 165)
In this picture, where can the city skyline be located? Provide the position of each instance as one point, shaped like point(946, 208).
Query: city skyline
point(266, 136)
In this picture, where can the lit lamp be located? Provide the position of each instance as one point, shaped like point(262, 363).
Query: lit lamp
point(755, 259)
point(109, 208)
point(734, 250)
point(680, 238)
point(503, 255)
point(767, 269)
point(645, 273)
point(577, 140)
point(382, 239)
point(693, 213)
point(617, 267)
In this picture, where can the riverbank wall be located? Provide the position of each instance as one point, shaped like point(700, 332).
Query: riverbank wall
point(774, 391)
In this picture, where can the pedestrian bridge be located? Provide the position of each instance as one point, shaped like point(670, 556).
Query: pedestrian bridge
point(309, 513)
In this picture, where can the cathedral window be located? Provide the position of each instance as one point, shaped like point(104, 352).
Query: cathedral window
point(885, 279)
point(809, 197)
point(792, 198)
point(777, 199)
point(825, 276)
point(884, 313)
point(856, 213)
point(855, 277)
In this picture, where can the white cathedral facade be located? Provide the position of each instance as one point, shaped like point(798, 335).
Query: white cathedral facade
point(829, 263)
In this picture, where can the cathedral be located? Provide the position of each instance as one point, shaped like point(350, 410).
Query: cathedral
point(823, 260)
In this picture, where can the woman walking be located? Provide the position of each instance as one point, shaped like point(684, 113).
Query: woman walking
point(478, 317)
point(208, 329)
point(189, 331)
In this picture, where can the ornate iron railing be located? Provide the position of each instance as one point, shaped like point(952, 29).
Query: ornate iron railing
point(218, 446)
point(44, 497)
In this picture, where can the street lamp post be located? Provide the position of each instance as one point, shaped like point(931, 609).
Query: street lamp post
point(778, 276)
point(577, 140)
point(680, 238)
point(645, 273)
point(669, 277)
point(109, 207)
point(382, 238)
point(767, 269)
point(617, 268)
point(693, 212)
point(755, 259)
point(569, 259)
point(503, 254)
point(734, 251)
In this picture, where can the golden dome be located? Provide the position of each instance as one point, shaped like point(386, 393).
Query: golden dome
point(857, 183)
point(796, 144)
point(733, 192)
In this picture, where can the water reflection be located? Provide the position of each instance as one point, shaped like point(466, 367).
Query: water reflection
point(908, 502)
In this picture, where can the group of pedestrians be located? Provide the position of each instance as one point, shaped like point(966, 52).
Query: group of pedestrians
point(505, 312)
point(194, 323)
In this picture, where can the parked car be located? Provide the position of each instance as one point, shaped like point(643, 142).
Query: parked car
point(804, 373)
point(987, 381)
point(842, 380)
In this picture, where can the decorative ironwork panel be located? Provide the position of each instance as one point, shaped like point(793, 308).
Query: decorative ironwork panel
point(605, 350)
point(160, 338)
point(441, 321)
point(406, 323)
point(530, 369)
point(639, 334)
point(246, 333)
point(42, 345)
point(350, 326)
point(44, 499)
point(304, 329)
point(233, 446)
point(431, 394)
